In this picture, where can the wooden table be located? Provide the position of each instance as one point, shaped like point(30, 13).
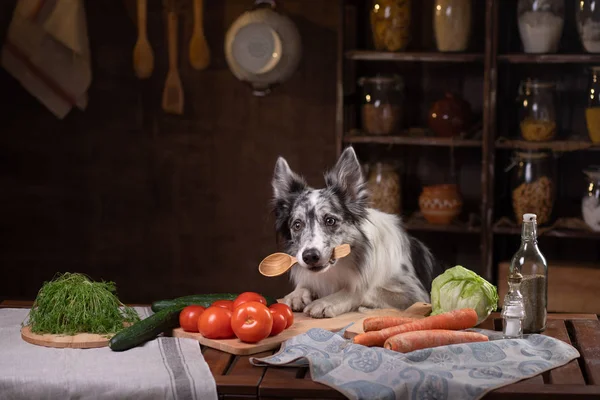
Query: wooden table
point(580, 379)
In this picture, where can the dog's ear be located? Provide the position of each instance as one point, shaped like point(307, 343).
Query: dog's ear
point(347, 178)
point(285, 181)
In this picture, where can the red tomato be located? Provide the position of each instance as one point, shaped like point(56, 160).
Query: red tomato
point(252, 322)
point(228, 304)
point(279, 322)
point(188, 318)
point(286, 311)
point(248, 296)
point(215, 323)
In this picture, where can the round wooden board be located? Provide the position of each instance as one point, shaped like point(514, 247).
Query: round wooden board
point(79, 341)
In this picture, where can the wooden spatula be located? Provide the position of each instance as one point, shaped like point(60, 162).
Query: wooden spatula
point(143, 57)
point(172, 100)
point(199, 50)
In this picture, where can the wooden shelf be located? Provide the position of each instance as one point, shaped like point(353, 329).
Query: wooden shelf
point(556, 145)
point(561, 233)
point(412, 140)
point(416, 222)
point(369, 55)
point(525, 58)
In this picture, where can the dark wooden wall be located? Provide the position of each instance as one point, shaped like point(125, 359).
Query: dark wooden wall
point(163, 205)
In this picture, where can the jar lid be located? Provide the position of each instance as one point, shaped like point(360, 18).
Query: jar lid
point(528, 155)
point(593, 171)
point(385, 79)
point(539, 84)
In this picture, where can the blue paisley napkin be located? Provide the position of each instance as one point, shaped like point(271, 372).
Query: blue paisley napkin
point(462, 371)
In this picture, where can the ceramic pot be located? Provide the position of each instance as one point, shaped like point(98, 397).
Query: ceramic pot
point(449, 116)
point(440, 204)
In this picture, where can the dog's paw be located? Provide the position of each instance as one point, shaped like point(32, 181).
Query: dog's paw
point(323, 308)
point(298, 299)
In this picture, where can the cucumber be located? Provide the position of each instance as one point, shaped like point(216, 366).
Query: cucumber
point(146, 329)
point(203, 300)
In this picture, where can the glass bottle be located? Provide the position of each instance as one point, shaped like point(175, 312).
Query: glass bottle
point(537, 110)
point(587, 15)
point(382, 101)
point(590, 202)
point(452, 24)
point(592, 112)
point(390, 24)
point(529, 266)
point(541, 24)
point(513, 308)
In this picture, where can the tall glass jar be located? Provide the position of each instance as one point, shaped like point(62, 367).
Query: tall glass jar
point(384, 186)
point(541, 24)
point(592, 112)
point(537, 110)
point(533, 185)
point(382, 101)
point(587, 16)
point(452, 24)
point(590, 202)
point(390, 24)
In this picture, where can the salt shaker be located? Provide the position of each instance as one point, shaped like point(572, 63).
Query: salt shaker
point(513, 309)
point(528, 277)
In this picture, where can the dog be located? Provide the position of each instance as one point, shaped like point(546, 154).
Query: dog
point(387, 267)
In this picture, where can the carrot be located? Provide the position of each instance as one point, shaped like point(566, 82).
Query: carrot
point(416, 340)
point(378, 323)
point(452, 320)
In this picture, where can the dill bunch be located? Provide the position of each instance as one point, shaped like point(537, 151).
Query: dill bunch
point(71, 303)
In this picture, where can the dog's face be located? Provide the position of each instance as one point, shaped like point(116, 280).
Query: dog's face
point(314, 221)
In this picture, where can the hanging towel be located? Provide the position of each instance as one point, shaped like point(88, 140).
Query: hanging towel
point(47, 51)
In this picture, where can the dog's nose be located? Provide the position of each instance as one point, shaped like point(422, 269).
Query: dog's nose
point(311, 256)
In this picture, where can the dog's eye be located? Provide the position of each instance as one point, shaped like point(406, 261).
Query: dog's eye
point(297, 225)
point(330, 221)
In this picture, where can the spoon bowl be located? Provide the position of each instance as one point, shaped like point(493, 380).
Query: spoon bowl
point(278, 263)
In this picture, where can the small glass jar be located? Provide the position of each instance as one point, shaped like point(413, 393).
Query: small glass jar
point(541, 24)
point(592, 112)
point(590, 202)
point(452, 24)
point(537, 110)
point(382, 100)
point(533, 185)
point(390, 24)
point(587, 15)
point(384, 186)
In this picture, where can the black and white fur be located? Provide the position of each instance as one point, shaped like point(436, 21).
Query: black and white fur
point(387, 268)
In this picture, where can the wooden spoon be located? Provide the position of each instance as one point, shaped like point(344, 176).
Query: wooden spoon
point(199, 51)
point(278, 263)
point(172, 100)
point(143, 57)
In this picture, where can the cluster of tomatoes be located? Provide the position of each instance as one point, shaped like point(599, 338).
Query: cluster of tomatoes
point(247, 317)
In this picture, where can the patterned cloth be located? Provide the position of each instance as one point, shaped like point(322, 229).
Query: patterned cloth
point(462, 371)
point(164, 368)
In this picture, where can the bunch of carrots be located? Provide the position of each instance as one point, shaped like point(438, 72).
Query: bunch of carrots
point(409, 334)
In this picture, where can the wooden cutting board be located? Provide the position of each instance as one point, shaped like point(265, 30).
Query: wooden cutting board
point(79, 341)
point(302, 323)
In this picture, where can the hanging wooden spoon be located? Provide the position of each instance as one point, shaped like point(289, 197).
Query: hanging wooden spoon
point(278, 263)
point(172, 100)
point(199, 50)
point(143, 57)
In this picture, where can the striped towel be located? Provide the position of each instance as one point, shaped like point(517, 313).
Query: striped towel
point(165, 368)
point(47, 51)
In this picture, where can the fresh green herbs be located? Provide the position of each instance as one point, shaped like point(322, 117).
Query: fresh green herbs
point(72, 303)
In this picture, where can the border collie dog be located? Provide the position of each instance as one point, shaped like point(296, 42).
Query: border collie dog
point(387, 268)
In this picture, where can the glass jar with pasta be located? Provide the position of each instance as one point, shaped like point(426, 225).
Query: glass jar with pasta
point(390, 24)
point(533, 185)
point(384, 185)
point(537, 111)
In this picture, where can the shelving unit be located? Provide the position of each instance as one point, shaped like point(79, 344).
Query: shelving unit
point(487, 76)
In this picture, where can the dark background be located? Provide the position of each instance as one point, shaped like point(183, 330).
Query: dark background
point(163, 205)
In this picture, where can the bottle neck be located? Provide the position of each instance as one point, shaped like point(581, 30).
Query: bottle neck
point(529, 232)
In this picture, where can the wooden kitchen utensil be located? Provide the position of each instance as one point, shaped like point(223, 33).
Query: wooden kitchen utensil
point(172, 100)
point(199, 50)
point(302, 324)
point(78, 341)
point(277, 263)
point(143, 57)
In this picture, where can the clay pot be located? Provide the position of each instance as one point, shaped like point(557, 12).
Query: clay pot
point(440, 204)
point(449, 116)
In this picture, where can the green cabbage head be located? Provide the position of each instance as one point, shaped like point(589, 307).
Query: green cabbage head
point(459, 287)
